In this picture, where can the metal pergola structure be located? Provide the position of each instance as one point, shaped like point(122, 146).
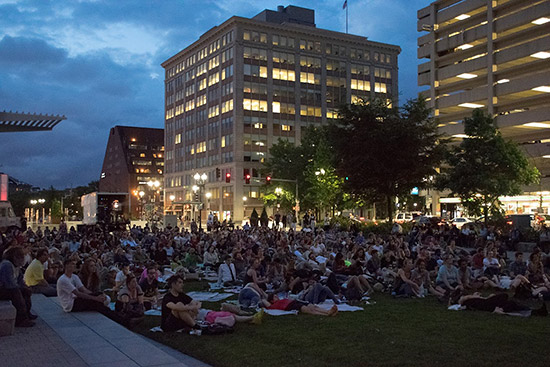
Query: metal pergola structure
point(18, 121)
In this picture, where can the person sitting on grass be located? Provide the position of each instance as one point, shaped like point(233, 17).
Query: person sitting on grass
point(227, 274)
point(469, 282)
point(404, 286)
point(179, 311)
point(286, 304)
point(448, 279)
point(34, 275)
point(150, 288)
point(129, 303)
point(317, 293)
point(518, 266)
point(12, 287)
point(421, 276)
point(75, 297)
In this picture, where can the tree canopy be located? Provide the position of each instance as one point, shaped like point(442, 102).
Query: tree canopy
point(386, 152)
point(485, 166)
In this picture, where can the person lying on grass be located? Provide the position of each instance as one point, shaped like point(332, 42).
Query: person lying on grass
point(179, 311)
point(286, 304)
point(500, 304)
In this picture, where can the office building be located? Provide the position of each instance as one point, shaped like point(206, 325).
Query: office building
point(247, 83)
point(134, 164)
point(493, 55)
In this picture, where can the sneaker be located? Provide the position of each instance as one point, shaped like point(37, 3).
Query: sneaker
point(257, 320)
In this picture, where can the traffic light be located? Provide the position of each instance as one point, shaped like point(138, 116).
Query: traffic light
point(218, 173)
point(228, 177)
point(268, 180)
point(247, 178)
point(196, 196)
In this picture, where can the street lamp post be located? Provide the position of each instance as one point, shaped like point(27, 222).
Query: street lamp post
point(36, 215)
point(200, 180)
point(208, 196)
point(141, 195)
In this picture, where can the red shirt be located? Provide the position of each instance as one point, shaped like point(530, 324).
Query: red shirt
point(281, 304)
point(477, 261)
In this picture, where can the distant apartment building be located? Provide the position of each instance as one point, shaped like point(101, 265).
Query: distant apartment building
point(493, 55)
point(134, 164)
point(247, 83)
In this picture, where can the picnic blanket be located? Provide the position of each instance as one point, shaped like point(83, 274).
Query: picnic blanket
point(217, 287)
point(153, 312)
point(342, 307)
point(208, 296)
point(280, 312)
point(456, 307)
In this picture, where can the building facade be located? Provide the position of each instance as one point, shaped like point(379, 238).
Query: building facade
point(494, 55)
point(249, 82)
point(134, 164)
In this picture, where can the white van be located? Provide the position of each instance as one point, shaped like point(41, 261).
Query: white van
point(7, 216)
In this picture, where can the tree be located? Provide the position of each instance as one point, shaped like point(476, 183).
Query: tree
point(326, 186)
point(290, 162)
point(385, 152)
point(254, 218)
point(485, 166)
point(56, 213)
point(264, 219)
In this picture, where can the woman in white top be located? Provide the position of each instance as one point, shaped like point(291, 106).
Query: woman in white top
point(211, 257)
point(491, 265)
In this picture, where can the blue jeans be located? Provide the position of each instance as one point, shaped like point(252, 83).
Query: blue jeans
point(248, 298)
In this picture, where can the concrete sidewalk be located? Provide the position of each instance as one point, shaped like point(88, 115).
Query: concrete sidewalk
point(83, 339)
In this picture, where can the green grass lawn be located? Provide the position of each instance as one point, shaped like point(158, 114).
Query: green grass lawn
point(392, 332)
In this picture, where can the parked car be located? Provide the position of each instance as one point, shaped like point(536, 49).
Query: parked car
point(461, 221)
point(430, 219)
point(403, 217)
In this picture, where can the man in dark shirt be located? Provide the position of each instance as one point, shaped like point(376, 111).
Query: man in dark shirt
point(518, 267)
point(179, 311)
point(150, 287)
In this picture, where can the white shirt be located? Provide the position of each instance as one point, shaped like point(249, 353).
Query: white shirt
point(65, 288)
point(224, 273)
point(120, 277)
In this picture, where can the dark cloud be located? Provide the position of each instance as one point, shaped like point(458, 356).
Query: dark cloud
point(95, 61)
point(21, 52)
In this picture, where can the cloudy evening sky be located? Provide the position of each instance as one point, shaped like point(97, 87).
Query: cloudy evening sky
point(98, 63)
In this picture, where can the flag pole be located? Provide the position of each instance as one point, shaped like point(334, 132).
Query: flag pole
point(346, 17)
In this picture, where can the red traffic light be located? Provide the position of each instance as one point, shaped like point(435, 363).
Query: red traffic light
point(228, 177)
point(247, 178)
point(268, 180)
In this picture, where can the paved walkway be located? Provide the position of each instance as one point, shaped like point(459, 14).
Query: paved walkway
point(83, 339)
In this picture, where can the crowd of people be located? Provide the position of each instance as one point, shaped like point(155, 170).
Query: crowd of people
point(274, 268)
